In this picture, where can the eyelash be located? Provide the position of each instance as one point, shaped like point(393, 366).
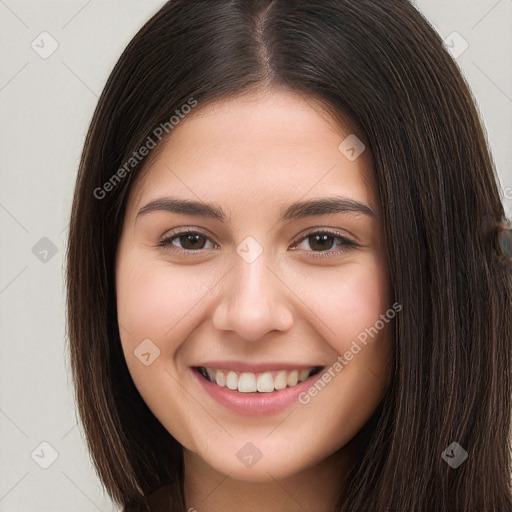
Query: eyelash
point(346, 242)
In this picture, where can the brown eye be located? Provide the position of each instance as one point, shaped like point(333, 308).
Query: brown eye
point(187, 241)
point(192, 241)
point(321, 242)
point(325, 244)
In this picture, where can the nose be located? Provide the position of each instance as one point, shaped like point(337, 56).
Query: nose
point(253, 301)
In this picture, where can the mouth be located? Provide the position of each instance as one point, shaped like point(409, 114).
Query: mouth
point(270, 381)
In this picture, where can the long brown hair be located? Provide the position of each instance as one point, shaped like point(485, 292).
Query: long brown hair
point(381, 65)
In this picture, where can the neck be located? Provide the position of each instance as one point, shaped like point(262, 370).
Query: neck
point(314, 489)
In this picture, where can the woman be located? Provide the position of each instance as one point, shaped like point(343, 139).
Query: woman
point(289, 280)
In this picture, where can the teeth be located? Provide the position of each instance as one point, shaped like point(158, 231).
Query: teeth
point(219, 378)
point(247, 383)
point(292, 378)
point(303, 375)
point(231, 380)
point(280, 380)
point(265, 382)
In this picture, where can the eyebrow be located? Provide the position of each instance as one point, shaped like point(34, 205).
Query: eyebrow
point(298, 210)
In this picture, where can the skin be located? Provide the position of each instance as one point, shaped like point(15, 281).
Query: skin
point(252, 156)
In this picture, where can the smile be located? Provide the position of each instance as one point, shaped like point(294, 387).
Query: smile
point(244, 397)
point(257, 382)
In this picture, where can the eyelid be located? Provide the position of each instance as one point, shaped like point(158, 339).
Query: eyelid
point(187, 229)
point(330, 231)
point(165, 240)
point(207, 233)
point(348, 242)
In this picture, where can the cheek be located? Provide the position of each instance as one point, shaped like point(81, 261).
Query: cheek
point(366, 340)
point(359, 316)
point(348, 299)
point(153, 298)
point(362, 298)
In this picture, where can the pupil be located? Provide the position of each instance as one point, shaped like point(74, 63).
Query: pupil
point(322, 239)
point(193, 239)
point(320, 242)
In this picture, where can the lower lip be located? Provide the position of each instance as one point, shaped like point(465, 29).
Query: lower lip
point(255, 404)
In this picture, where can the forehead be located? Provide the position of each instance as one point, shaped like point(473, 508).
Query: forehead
point(260, 146)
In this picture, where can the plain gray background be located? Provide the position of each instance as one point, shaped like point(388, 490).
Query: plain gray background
point(46, 105)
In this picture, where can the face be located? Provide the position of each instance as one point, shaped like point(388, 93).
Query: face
point(255, 316)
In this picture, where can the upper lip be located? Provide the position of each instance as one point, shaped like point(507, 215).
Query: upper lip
point(239, 366)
